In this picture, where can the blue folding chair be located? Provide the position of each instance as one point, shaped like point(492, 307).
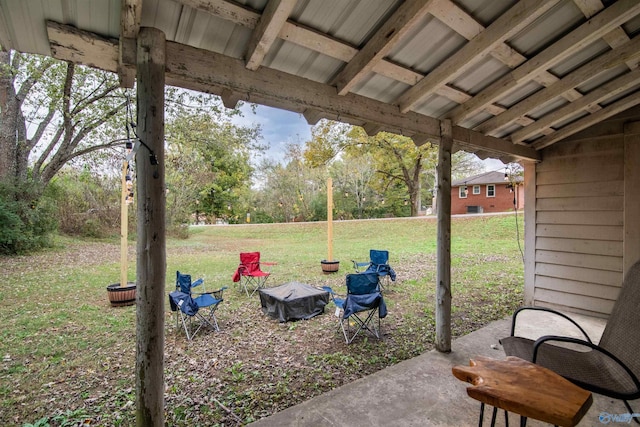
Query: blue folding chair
point(194, 309)
point(357, 311)
point(378, 263)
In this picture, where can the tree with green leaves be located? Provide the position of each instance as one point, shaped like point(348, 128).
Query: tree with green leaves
point(403, 171)
point(208, 169)
point(290, 191)
point(52, 113)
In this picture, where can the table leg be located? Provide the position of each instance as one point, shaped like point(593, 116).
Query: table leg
point(481, 414)
point(493, 416)
point(506, 418)
point(523, 421)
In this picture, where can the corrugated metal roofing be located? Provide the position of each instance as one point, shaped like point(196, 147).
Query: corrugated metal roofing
point(323, 38)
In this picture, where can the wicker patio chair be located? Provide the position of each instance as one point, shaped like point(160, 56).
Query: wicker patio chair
point(612, 366)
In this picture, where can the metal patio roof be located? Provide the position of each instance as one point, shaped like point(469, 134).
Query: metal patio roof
point(512, 76)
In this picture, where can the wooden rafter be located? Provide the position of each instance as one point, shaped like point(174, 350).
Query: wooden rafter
point(274, 22)
point(608, 90)
point(616, 37)
point(507, 25)
point(609, 111)
point(575, 78)
point(464, 24)
point(408, 15)
point(321, 43)
point(130, 16)
point(269, 26)
point(206, 71)
point(587, 33)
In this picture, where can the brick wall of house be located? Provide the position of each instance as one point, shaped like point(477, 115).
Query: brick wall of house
point(502, 202)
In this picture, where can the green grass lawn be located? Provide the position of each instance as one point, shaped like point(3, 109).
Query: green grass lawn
point(67, 356)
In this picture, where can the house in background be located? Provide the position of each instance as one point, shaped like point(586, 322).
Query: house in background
point(487, 192)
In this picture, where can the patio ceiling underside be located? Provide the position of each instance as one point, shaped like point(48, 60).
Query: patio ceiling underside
point(512, 76)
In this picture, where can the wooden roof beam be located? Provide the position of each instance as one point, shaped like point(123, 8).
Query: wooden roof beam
point(130, 15)
point(507, 25)
point(317, 42)
point(616, 37)
point(206, 71)
point(615, 15)
point(313, 116)
point(465, 25)
point(271, 21)
point(575, 127)
point(405, 18)
point(606, 91)
point(578, 76)
point(372, 129)
point(230, 98)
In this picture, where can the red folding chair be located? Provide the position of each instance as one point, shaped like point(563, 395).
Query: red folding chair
point(249, 272)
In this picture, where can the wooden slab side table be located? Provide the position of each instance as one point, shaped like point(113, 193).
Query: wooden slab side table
point(527, 389)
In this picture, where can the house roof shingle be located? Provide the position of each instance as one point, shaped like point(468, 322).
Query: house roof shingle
point(493, 177)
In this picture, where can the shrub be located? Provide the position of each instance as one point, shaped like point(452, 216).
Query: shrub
point(27, 219)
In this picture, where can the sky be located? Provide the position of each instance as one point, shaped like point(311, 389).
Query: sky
point(280, 127)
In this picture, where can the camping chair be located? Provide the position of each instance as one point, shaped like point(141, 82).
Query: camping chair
point(194, 307)
point(249, 273)
point(610, 368)
point(357, 310)
point(378, 263)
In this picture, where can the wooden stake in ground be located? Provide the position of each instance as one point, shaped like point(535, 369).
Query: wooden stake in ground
point(124, 224)
point(329, 219)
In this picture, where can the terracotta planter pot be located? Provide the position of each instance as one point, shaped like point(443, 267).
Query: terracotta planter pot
point(329, 266)
point(120, 296)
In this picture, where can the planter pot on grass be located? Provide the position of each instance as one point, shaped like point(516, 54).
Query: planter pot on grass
point(120, 296)
point(329, 266)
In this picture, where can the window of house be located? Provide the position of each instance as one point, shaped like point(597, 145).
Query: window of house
point(491, 190)
point(476, 189)
point(462, 192)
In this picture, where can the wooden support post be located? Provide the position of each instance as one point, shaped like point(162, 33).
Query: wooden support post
point(631, 244)
point(443, 250)
point(151, 256)
point(529, 231)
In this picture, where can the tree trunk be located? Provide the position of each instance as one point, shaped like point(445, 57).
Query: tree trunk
point(151, 250)
point(9, 107)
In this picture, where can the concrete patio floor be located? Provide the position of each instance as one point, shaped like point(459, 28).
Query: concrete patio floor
point(423, 392)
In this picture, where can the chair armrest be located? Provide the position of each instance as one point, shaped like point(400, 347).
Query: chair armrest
point(589, 344)
point(268, 263)
point(357, 265)
point(328, 289)
point(218, 294)
point(546, 310)
point(198, 282)
point(332, 293)
point(242, 267)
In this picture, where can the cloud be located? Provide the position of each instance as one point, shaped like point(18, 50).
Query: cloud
point(279, 127)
